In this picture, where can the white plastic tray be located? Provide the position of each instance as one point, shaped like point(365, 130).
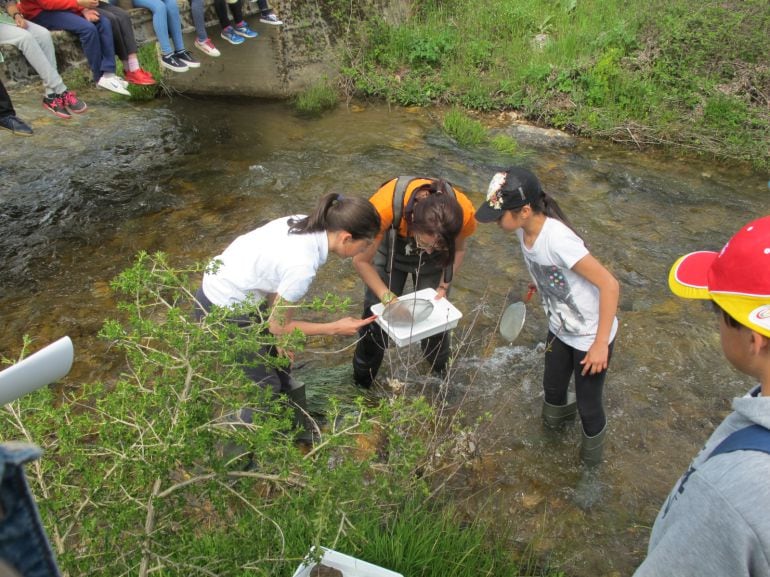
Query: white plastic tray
point(444, 317)
point(350, 566)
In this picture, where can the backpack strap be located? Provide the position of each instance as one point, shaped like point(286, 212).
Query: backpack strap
point(399, 191)
point(752, 438)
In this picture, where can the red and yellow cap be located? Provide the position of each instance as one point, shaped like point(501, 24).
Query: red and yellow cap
point(737, 278)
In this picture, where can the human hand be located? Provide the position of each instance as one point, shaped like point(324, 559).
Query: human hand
point(350, 325)
point(441, 291)
point(286, 353)
point(91, 15)
point(88, 3)
point(596, 359)
point(19, 20)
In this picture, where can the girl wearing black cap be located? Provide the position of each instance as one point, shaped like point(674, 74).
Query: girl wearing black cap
point(580, 297)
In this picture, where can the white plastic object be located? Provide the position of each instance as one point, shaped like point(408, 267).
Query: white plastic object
point(513, 320)
point(443, 317)
point(47, 365)
point(349, 566)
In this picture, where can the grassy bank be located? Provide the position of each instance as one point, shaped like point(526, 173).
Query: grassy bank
point(689, 74)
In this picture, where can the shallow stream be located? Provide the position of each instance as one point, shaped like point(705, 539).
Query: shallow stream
point(80, 199)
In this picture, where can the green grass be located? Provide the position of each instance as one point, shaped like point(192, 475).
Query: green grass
point(688, 73)
point(317, 98)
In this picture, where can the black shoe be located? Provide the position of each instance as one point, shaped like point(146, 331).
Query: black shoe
point(55, 104)
point(185, 57)
point(15, 125)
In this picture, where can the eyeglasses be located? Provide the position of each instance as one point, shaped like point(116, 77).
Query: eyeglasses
point(434, 245)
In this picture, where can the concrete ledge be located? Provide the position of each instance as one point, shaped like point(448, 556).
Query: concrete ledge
point(69, 53)
point(281, 62)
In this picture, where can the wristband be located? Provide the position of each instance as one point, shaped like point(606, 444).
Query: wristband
point(388, 297)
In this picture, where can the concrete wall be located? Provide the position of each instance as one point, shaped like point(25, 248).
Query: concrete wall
point(281, 62)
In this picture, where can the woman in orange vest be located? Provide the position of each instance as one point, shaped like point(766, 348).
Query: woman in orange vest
point(424, 224)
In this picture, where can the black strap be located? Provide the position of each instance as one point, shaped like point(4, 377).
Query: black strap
point(752, 438)
point(399, 191)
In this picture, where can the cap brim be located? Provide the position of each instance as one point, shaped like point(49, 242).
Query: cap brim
point(688, 277)
point(486, 213)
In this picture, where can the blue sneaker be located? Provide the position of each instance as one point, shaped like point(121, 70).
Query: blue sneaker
point(230, 35)
point(242, 29)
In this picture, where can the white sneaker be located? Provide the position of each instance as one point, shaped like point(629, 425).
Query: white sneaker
point(270, 19)
point(207, 47)
point(113, 84)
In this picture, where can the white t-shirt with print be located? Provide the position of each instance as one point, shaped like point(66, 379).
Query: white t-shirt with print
point(267, 261)
point(570, 301)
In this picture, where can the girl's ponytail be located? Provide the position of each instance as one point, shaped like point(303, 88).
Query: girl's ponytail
point(335, 212)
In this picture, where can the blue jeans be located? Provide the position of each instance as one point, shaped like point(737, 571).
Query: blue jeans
point(23, 542)
point(198, 12)
point(95, 37)
point(165, 21)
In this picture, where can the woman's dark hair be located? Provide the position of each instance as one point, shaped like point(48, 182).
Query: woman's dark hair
point(440, 215)
point(335, 212)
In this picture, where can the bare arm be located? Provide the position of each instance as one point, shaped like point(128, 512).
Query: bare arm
point(282, 323)
point(363, 264)
point(443, 287)
point(592, 270)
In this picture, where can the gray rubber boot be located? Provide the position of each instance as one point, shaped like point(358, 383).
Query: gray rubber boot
point(555, 416)
point(592, 448)
point(303, 424)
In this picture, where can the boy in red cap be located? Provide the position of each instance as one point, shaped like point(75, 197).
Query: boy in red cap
point(716, 521)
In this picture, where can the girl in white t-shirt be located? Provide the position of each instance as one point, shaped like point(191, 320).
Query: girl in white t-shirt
point(276, 264)
point(580, 297)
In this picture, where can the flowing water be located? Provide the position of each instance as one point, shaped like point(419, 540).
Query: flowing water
point(80, 199)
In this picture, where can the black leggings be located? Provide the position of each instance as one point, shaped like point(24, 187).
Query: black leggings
point(561, 363)
point(276, 379)
point(122, 29)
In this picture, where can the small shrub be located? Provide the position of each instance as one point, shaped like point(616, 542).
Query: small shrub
point(465, 130)
point(317, 98)
point(505, 144)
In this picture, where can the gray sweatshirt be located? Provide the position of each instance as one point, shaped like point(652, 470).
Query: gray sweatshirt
point(716, 521)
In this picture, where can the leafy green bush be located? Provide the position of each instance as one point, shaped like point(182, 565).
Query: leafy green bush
point(155, 473)
point(317, 98)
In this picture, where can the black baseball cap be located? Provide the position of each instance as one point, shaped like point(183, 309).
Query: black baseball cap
point(510, 189)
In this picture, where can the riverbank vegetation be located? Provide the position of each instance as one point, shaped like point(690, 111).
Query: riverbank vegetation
point(156, 473)
point(684, 74)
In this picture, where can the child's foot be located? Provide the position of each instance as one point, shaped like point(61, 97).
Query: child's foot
point(15, 125)
point(230, 35)
point(72, 102)
point(55, 104)
point(140, 77)
point(270, 18)
point(114, 84)
point(171, 62)
point(242, 29)
point(207, 47)
point(185, 57)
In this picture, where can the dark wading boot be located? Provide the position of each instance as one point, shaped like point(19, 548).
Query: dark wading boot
point(555, 416)
point(590, 488)
point(592, 448)
point(306, 431)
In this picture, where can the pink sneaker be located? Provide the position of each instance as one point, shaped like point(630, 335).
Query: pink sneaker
point(207, 47)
